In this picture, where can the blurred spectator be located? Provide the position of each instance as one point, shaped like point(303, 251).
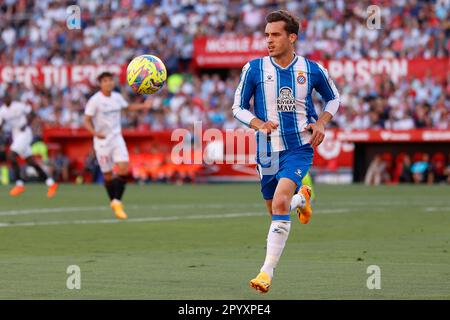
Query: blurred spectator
point(60, 167)
point(376, 173)
point(447, 170)
point(438, 165)
point(422, 170)
point(92, 168)
point(406, 174)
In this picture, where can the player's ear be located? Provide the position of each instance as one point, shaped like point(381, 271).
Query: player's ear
point(292, 38)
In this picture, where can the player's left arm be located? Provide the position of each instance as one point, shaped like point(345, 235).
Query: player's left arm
point(325, 86)
point(137, 106)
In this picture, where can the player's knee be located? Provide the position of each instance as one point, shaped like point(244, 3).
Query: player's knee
point(123, 170)
point(280, 205)
point(107, 176)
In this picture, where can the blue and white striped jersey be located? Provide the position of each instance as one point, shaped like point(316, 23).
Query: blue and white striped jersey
point(284, 95)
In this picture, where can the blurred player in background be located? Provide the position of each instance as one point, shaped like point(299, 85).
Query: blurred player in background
point(18, 116)
point(103, 121)
point(281, 85)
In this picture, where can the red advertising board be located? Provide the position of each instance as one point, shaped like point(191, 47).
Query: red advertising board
point(227, 51)
point(364, 70)
point(58, 76)
point(236, 51)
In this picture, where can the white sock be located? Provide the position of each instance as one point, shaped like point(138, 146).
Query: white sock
point(276, 239)
point(19, 183)
point(298, 201)
point(49, 182)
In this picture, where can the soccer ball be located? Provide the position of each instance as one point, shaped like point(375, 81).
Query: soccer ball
point(146, 74)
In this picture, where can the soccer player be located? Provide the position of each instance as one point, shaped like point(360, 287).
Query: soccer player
point(103, 120)
point(287, 128)
point(18, 117)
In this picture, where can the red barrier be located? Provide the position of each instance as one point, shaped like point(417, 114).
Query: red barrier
point(336, 151)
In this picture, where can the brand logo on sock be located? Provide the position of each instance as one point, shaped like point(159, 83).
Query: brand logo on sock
point(276, 230)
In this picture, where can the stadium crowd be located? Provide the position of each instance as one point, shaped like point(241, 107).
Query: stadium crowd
point(114, 31)
point(208, 98)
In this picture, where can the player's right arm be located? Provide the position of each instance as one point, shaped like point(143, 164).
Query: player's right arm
point(241, 105)
point(89, 125)
point(89, 113)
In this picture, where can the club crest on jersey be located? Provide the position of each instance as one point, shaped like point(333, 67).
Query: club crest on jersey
point(286, 100)
point(301, 79)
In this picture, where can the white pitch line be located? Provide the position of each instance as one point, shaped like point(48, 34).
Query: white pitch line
point(178, 206)
point(148, 219)
point(431, 209)
point(51, 210)
point(152, 219)
point(105, 207)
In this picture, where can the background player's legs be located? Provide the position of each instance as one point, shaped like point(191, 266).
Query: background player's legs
point(52, 186)
point(115, 186)
point(107, 178)
point(42, 175)
point(120, 181)
point(13, 159)
point(281, 224)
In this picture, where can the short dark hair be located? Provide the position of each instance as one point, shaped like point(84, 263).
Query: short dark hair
point(291, 22)
point(105, 74)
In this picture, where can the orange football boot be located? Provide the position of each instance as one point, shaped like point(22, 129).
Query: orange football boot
point(304, 213)
point(17, 190)
point(52, 190)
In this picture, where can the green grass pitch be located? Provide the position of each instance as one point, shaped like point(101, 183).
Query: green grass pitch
point(208, 241)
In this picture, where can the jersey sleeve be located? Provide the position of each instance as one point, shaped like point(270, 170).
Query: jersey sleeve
point(90, 107)
point(325, 86)
point(242, 96)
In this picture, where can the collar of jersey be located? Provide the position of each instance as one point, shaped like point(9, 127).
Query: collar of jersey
point(288, 66)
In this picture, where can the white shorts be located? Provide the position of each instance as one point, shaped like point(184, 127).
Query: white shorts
point(110, 151)
point(21, 143)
